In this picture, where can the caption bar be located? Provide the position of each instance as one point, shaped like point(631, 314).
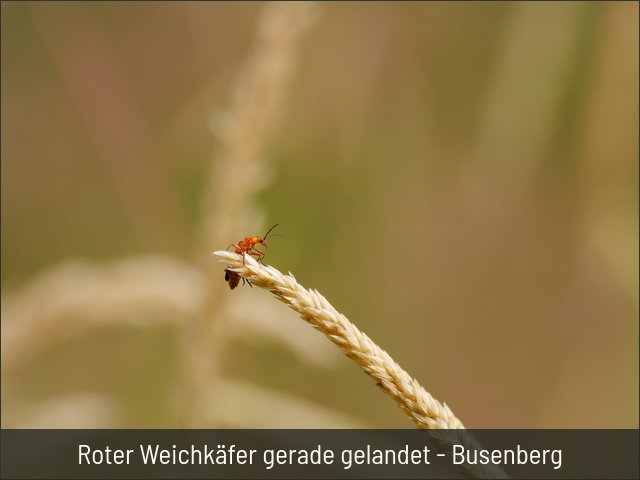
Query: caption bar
point(312, 454)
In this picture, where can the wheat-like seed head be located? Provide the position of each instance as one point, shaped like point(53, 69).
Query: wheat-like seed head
point(425, 411)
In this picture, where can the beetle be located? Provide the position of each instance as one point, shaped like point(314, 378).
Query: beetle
point(248, 245)
point(233, 278)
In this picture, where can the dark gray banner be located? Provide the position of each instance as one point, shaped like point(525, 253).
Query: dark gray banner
point(318, 454)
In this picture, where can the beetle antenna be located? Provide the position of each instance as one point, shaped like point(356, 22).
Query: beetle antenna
point(268, 231)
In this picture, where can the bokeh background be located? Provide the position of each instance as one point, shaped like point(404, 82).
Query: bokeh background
point(459, 179)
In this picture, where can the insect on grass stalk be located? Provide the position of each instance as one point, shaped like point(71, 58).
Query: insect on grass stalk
point(423, 409)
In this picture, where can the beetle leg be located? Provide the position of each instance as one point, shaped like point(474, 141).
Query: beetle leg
point(257, 253)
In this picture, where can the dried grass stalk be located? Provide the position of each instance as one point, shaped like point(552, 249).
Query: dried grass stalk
point(425, 411)
point(77, 296)
point(251, 119)
point(244, 131)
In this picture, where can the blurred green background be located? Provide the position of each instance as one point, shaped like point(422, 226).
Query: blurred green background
point(459, 179)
